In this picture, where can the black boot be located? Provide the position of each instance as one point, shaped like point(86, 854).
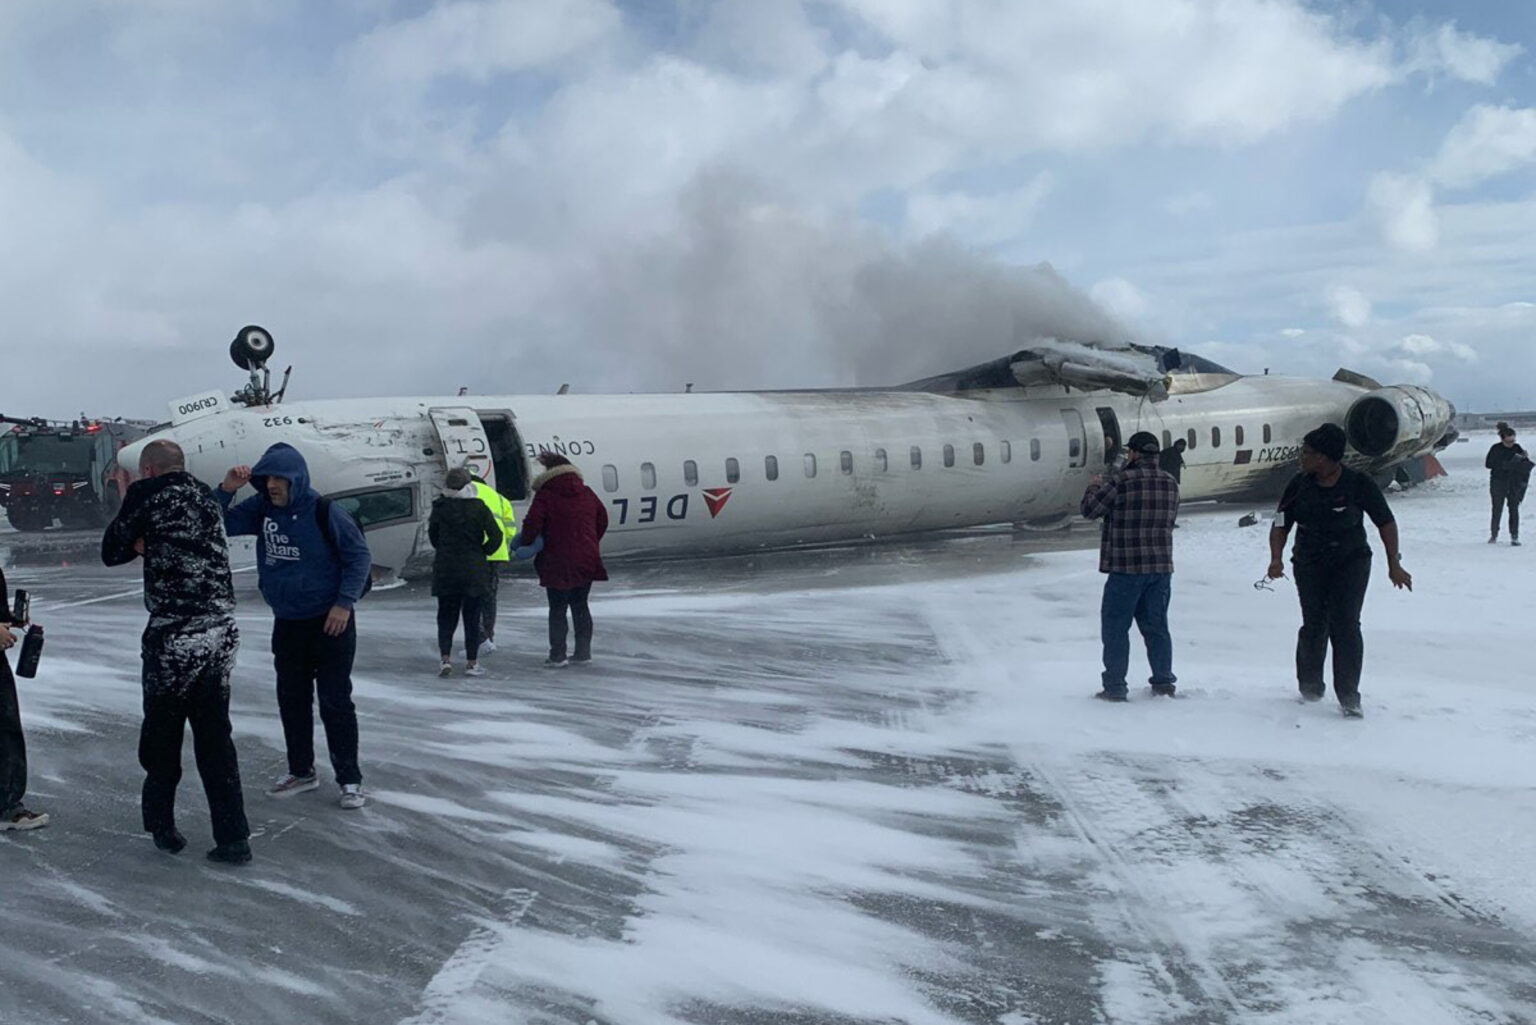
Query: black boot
point(236, 852)
point(170, 839)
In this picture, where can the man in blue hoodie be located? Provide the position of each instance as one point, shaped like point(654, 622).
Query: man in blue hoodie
point(311, 573)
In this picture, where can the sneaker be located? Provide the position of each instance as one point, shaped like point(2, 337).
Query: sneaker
point(1493, 539)
point(1311, 695)
point(236, 852)
point(1514, 542)
point(1163, 690)
point(352, 796)
point(170, 839)
point(1351, 710)
point(487, 646)
point(21, 818)
point(288, 785)
point(1110, 695)
point(474, 670)
point(556, 663)
point(581, 658)
point(446, 669)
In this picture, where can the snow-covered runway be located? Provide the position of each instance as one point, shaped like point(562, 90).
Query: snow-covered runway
point(860, 786)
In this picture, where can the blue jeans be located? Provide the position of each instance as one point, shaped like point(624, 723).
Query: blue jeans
point(1142, 597)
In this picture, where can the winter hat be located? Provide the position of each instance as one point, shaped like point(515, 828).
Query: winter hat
point(458, 479)
point(1144, 442)
point(1328, 440)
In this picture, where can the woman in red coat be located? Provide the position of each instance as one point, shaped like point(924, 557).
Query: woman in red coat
point(571, 519)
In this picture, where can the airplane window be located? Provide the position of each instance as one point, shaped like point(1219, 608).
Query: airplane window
point(1167, 440)
point(372, 508)
point(648, 476)
point(880, 460)
point(1267, 435)
point(610, 478)
point(732, 470)
point(978, 453)
point(1075, 448)
point(690, 472)
point(1007, 450)
point(1194, 439)
point(846, 459)
point(1034, 450)
point(1237, 436)
point(810, 464)
point(771, 467)
point(917, 458)
point(1215, 437)
point(949, 455)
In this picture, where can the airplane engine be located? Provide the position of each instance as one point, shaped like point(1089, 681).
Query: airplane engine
point(1401, 422)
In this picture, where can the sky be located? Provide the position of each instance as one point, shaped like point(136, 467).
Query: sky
point(821, 787)
point(511, 195)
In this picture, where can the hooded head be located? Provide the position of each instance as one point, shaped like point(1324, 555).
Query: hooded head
point(1327, 440)
point(282, 476)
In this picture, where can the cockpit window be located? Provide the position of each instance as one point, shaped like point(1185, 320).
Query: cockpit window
point(378, 507)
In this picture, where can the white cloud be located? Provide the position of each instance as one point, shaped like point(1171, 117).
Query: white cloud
point(477, 39)
point(979, 220)
point(1425, 345)
point(1486, 142)
point(1403, 210)
point(1348, 305)
point(1437, 49)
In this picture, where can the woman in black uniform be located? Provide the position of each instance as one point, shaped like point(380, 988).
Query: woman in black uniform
point(1509, 471)
point(1327, 502)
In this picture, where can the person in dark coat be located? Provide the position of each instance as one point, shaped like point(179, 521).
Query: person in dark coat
point(1509, 471)
point(1328, 503)
point(170, 518)
point(571, 521)
point(1171, 461)
point(13, 745)
point(464, 535)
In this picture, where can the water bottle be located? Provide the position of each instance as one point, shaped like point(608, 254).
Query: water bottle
point(31, 651)
point(21, 609)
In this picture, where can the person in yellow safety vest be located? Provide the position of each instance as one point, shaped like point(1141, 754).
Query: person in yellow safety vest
point(506, 517)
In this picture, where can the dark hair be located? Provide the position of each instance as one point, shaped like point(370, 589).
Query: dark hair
point(1327, 440)
point(1180, 444)
point(550, 460)
point(1506, 431)
point(458, 478)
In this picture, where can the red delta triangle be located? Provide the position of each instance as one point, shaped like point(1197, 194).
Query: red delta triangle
point(716, 498)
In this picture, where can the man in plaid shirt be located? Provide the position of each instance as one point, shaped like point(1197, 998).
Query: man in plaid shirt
point(1139, 505)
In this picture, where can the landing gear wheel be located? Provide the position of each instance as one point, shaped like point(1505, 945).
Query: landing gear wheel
point(252, 347)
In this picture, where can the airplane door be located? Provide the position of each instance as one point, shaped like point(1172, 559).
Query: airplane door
point(1077, 438)
point(464, 441)
point(1111, 425)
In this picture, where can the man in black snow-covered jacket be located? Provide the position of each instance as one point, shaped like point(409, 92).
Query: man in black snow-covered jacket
point(171, 519)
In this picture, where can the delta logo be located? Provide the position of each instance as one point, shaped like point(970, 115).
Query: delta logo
point(716, 498)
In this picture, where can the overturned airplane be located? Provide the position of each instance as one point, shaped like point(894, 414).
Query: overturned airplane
point(1014, 440)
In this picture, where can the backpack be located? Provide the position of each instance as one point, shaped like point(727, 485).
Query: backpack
point(323, 521)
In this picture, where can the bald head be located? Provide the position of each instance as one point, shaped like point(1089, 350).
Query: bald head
point(161, 457)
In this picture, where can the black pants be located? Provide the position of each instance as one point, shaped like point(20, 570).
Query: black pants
point(13, 746)
point(186, 680)
point(1332, 593)
point(450, 609)
point(488, 604)
point(309, 664)
point(1501, 493)
point(574, 599)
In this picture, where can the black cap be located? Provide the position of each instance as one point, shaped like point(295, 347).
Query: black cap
point(1144, 442)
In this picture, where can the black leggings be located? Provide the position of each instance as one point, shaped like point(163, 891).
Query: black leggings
point(1500, 494)
point(450, 609)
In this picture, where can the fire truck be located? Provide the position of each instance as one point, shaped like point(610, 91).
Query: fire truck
point(63, 471)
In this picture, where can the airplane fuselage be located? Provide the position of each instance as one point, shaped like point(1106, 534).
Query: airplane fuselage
point(730, 472)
